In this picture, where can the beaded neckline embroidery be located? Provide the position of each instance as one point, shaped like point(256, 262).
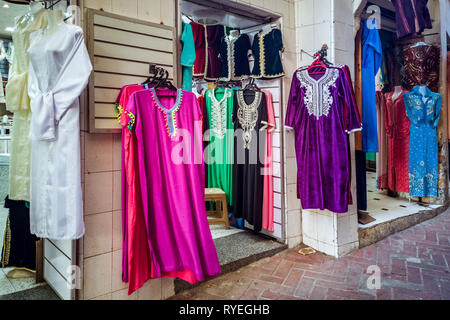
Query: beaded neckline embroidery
point(219, 113)
point(318, 98)
point(169, 114)
point(248, 116)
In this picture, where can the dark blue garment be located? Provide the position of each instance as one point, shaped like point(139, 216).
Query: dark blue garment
point(371, 62)
point(266, 49)
point(233, 54)
point(361, 183)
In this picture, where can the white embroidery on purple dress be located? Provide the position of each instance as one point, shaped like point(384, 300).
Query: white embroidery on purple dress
point(318, 98)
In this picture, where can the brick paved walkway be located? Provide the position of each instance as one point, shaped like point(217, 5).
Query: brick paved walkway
point(414, 264)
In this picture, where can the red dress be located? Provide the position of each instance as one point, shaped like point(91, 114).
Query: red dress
point(397, 131)
point(199, 32)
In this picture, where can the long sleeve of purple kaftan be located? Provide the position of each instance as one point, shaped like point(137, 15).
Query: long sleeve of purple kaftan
point(322, 111)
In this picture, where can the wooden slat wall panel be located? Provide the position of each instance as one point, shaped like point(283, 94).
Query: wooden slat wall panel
point(110, 80)
point(106, 95)
point(124, 67)
point(136, 27)
point(121, 50)
point(127, 38)
point(131, 53)
point(104, 110)
point(106, 124)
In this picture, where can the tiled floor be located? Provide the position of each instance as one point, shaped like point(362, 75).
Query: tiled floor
point(414, 264)
point(384, 208)
point(219, 231)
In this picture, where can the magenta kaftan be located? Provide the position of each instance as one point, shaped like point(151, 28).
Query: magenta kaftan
point(168, 129)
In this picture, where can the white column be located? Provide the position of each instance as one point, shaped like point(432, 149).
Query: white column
point(331, 22)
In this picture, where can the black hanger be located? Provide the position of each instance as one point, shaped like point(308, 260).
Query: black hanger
point(164, 82)
point(323, 52)
point(251, 85)
point(222, 84)
point(155, 75)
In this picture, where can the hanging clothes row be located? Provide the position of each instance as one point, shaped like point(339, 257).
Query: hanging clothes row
point(407, 77)
point(50, 69)
point(165, 227)
point(224, 53)
point(239, 153)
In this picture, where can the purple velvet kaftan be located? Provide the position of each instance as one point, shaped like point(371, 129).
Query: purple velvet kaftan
point(322, 111)
point(168, 127)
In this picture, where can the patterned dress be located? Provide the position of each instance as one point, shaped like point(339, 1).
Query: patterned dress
point(397, 131)
point(421, 66)
point(423, 108)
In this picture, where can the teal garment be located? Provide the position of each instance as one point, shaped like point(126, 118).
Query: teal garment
point(187, 79)
point(371, 156)
point(187, 56)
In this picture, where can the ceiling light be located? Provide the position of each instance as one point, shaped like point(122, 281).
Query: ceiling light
point(5, 5)
point(9, 29)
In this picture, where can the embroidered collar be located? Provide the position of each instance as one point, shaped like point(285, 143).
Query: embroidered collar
point(263, 34)
point(169, 114)
point(324, 76)
point(317, 97)
point(219, 113)
point(229, 39)
point(248, 116)
point(417, 91)
point(213, 96)
point(389, 95)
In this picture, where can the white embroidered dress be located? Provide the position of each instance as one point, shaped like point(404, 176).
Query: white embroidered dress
point(59, 71)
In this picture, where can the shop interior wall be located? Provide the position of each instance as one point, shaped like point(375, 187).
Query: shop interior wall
point(100, 251)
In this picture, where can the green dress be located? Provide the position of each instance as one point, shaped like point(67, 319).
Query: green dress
point(219, 152)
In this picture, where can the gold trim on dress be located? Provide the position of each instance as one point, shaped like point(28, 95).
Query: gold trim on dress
point(6, 244)
point(262, 59)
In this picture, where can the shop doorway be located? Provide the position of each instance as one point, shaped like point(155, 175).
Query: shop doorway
point(382, 177)
point(240, 245)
